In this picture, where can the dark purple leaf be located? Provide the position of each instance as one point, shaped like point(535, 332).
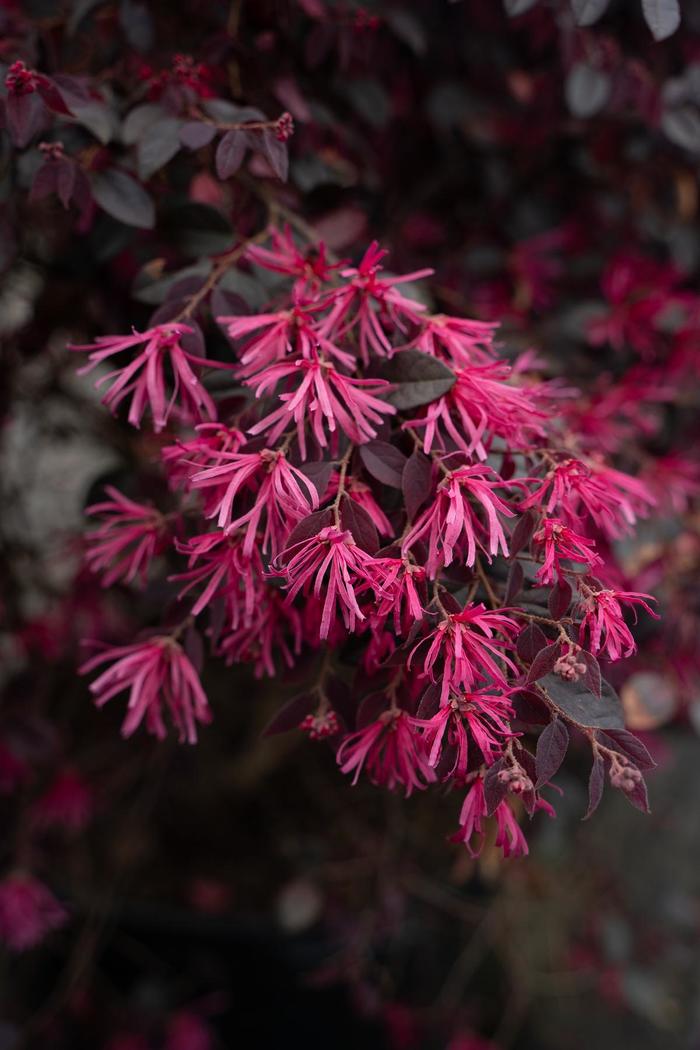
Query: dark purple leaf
point(578, 703)
point(681, 125)
point(596, 783)
point(544, 662)
point(418, 379)
point(586, 89)
point(551, 749)
point(384, 462)
point(230, 153)
point(494, 790)
point(592, 677)
point(627, 744)
point(429, 702)
point(530, 708)
point(26, 117)
point(137, 24)
point(586, 12)
point(122, 197)
point(276, 153)
point(531, 641)
point(638, 796)
point(559, 599)
point(158, 146)
point(291, 714)
point(514, 583)
point(662, 16)
point(357, 521)
point(65, 179)
point(415, 482)
point(309, 526)
point(371, 708)
point(195, 133)
point(140, 120)
point(522, 533)
point(194, 648)
point(319, 473)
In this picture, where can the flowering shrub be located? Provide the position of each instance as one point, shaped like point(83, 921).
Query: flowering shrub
point(276, 445)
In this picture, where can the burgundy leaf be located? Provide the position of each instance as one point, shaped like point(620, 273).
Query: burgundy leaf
point(514, 584)
point(577, 702)
point(662, 16)
point(586, 12)
point(417, 378)
point(195, 134)
point(551, 749)
point(592, 677)
point(310, 526)
point(276, 153)
point(429, 702)
point(319, 472)
point(357, 521)
point(531, 641)
point(230, 153)
point(627, 744)
point(384, 462)
point(638, 796)
point(291, 714)
point(371, 708)
point(544, 662)
point(559, 599)
point(122, 197)
point(494, 789)
point(596, 783)
point(415, 482)
point(26, 117)
point(522, 533)
point(530, 708)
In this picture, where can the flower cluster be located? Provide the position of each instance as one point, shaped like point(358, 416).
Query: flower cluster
point(384, 488)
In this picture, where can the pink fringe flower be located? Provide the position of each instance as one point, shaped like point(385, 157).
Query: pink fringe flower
point(484, 715)
point(559, 542)
point(334, 563)
point(218, 562)
point(28, 912)
point(325, 399)
point(604, 622)
point(283, 495)
point(124, 545)
point(390, 751)
point(451, 523)
point(459, 341)
point(509, 835)
point(157, 673)
point(144, 378)
point(310, 267)
point(467, 646)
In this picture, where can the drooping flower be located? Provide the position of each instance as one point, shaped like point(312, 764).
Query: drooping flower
point(217, 561)
point(466, 649)
point(273, 632)
point(471, 819)
point(309, 266)
point(480, 406)
point(329, 562)
point(604, 622)
point(276, 336)
point(28, 911)
point(282, 495)
point(401, 594)
point(483, 715)
point(130, 536)
point(560, 543)
point(183, 458)
point(612, 499)
point(144, 377)
point(157, 673)
point(451, 522)
point(459, 341)
point(390, 752)
point(371, 303)
point(323, 398)
point(509, 835)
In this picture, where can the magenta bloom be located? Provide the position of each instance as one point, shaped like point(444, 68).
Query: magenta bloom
point(487, 718)
point(325, 399)
point(334, 563)
point(217, 561)
point(274, 631)
point(371, 303)
point(509, 836)
point(481, 405)
point(613, 500)
point(144, 377)
point(451, 522)
point(157, 674)
point(559, 542)
point(390, 751)
point(310, 267)
point(459, 341)
point(604, 622)
point(279, 335)
point(282, 495)
point(210, 441)
point(28, 912)
point(465, 647)
point(399, 594)
point(124, 545)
